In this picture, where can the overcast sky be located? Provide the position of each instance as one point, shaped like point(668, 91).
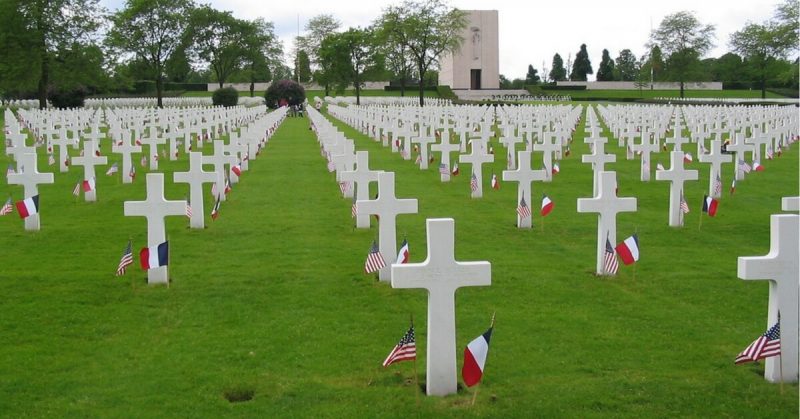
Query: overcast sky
point(531, 32)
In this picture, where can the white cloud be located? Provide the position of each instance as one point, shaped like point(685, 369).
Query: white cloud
point(530, 31)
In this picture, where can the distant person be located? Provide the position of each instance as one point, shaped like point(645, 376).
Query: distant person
point(300, 110)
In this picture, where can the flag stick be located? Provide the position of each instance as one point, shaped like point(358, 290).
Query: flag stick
point(416, 376)
point(475, 394)
point(780, 358)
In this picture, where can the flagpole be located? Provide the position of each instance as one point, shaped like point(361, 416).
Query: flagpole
point(780, 355)
point(416, 375)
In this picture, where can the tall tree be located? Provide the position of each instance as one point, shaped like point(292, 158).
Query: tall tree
point(684, 39)
point(728, 69)
point(316, 30)
point(218, 39)
point(428, 28)
point(150, 31)
point(37, 34)
point(626, 67)
point(787, 25)
point(761, 45)
point(557, 71)
point(532, 77)
point(605, 71)
point(262, 49)
point(350, 55)
point(397, 56)
point(581, 66)
point(302, 68)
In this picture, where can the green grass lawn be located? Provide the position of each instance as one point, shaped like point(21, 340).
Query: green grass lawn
point(310, 94)
point(271, 299)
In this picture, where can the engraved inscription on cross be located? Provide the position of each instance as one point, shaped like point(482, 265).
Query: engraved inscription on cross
point(677, 175)
point(155, 208)
point(361, 176)
point(387, 207)
point(441, 274)
point(607, 205)
point(30, 178)
point(524, 175)
point(780, 266)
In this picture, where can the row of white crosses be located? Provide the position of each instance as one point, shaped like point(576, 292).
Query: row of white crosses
point(156, 207)
point(440, 274)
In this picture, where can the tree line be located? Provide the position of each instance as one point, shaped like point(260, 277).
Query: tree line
point(760, 56)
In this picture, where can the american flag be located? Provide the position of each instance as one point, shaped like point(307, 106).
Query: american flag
point(188, 207)
point(354, 208)
point(405, 350)
point(684, 205)
point(717, 185)
point(77, 189)
point(7, 208)
point(523, 209)
point(443, 169)
point(419, 159)
point(374, 259)
point(344, 186)
point(767, 345)
point(132, 173)
point(611, 264)
point(51, 160)
point(743, 166)
point(473, 183)
point(126, 260)
point(331, 166)
point(143, 161)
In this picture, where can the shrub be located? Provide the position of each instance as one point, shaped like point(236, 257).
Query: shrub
point(284, 90)
point(226, 96)
point(72, 98)
point(446, 92)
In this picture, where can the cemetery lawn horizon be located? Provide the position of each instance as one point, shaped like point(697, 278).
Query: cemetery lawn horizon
point(651, 94)
point(270, 303)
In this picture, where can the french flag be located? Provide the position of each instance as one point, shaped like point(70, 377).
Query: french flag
point(628, 250)
point(758, 167)
point(237, 169)
point(710, 205)
point(155, 256)
point(403, 255)
point(28, 206)
point(475, 359)
point(547, 205)
point(89, 185)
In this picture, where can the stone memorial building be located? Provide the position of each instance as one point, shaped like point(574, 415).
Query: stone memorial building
point(476, 65)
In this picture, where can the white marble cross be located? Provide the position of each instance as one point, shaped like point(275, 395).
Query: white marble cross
point(677, 175)
point(89, 160)
point(445, 147)
point(196, 177)
point(715, 158)
point(152, 141)
point(62, 142)
point(387, 207)
point(524, 175)
point(780, 266)
point(30, 178)
point(607, 205)
point(219, 159)
point(441, 274)
point(424, 141)
point(548, 146)
point(791, 203)
point(598, 159)
point(361, 176)
point(237, 150)
point(510, 142)
point(155, 208)
point(738, 147)
point(645, 148)
point(172, 138)
point(677, 139)
point(123, 146)
point(477, 158)
point(758, 141)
